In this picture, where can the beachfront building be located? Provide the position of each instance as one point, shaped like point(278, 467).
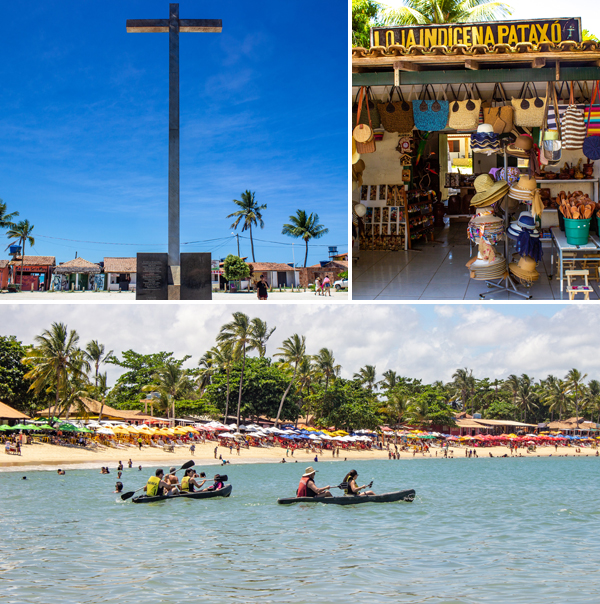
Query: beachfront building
point(472, 425)
point(10, 416)
point(36, 271)
point(4, 273)
point(88, 408)
point(121, 274)
point(329, 268)
point(573, 426)
point(278, 274)
point(78, 275)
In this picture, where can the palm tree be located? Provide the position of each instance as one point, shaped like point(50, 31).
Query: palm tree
point(424, 12)
point(239, 334)
point(305, 226)
point(325, 364)
point(250, 212)
point(96, 353)
point(172, 383)
point(526, 396)
point(464, 385)
point(260, 335)
point(53, 361)
point(21, 233)
point(554, 395)
point(6, 220)
point(293, 351)
point(218, 358)
point(512, 385)
point(592, 397)
point(100, 391)
point(306, 375)
point(389, 381)
point(366, 375)
point(574, 382)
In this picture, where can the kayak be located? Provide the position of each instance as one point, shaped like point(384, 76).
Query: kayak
point(407, 495)
point(224, 492)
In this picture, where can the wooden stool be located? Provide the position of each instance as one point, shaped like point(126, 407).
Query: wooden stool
point(572, 290)
point(592, 263)
point(567, 264)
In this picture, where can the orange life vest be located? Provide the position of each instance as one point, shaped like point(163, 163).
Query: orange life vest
point(302, 490)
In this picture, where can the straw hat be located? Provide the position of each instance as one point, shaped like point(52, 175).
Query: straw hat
point(525, 269)
point(488, 191)
point(360, 209)
point(523, 189)
point(309, 471)
point(521, 147)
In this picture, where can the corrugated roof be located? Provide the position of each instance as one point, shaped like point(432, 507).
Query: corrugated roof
point(77, 265)
point(120, 265)
point(35, 261)
point(7, 412)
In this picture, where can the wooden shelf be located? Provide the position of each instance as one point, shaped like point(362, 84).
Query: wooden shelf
point(557, 181)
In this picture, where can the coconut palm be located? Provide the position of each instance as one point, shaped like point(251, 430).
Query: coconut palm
point(218, 358)
point(100, 392)
point(305, 226)
point(574, 383)
point(172, 383)
point(6, 220)
point(526, 396)
point(21, 233)
point(96, 354)
point(512, 385)
point(54, 360)
point(554, 395)
point(424, 12)
point(592, 397)
point(250, 213)
point(463, 385)
point(293, 351)
point(260, 335)
point(389, 381)
point(306, 377)
point(366, 376)
point(325, 364)
point(396, 405)
point(240, 335)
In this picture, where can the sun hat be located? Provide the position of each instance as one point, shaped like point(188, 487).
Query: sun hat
point(360, 210)
point(511, 174)
point(488, 191)
point(355, 153)
point(521, 147)
point(525, 269)
point(526, 183)
point(309, 471)
point(487, 128)
point(526, 221)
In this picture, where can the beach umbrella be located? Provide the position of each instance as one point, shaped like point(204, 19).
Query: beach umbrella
point(105, 430)
point(19, 427)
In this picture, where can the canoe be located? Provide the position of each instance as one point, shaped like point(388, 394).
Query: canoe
point(224, 492)
point(407, 495)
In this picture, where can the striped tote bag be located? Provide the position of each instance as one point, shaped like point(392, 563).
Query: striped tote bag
point(573, 126)
point(591, 144)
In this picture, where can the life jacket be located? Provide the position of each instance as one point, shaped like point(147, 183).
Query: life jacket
point(347, 489)
point(185, 483)
point(152, 487)
point(302, 488)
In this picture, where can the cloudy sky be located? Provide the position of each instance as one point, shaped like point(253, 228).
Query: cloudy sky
point(425, 341)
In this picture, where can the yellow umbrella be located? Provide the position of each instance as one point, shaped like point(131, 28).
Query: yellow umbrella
point(119, 430)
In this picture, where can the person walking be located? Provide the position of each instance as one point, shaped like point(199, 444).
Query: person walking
point(327, 286)
point(318, 287)
point(262, 288)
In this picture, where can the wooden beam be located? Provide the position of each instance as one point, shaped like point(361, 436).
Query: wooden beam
point(145, 26)
point(406, 66)
point(538, 63)
point(558, 71)
point(471, 64)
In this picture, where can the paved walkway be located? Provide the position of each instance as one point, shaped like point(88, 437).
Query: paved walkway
point(274, 296)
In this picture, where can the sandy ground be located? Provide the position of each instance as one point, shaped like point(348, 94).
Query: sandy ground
point(274, 296)
point(45, 456)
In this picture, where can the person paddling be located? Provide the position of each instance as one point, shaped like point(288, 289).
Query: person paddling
point(351, 487)
point(188, 482)
point(308, 488)
point(171, 477)
point(157, 487)
point(217, 484)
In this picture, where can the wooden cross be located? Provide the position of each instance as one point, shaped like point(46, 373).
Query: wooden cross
point(173, 25)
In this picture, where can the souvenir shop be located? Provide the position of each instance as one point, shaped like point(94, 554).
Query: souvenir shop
point(488, 133)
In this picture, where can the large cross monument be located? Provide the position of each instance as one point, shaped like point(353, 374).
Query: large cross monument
point(173, 25)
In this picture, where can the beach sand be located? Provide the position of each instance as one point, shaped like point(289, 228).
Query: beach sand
point(51, 457)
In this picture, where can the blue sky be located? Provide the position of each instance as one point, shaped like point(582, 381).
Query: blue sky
point(83, 124)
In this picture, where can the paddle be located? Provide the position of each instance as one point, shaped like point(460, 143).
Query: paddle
point(129, 494)
point(344, 485)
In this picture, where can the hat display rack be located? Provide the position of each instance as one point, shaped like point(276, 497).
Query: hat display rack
point(506, 283)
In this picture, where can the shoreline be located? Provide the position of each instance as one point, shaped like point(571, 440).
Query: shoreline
point(46, 457)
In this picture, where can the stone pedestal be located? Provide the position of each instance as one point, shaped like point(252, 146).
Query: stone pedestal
point(196, 281)
point(152, 277)
point(174, 288)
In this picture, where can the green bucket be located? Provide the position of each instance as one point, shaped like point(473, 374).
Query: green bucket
point(577, 231)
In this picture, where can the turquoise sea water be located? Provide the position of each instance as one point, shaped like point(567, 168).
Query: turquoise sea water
point(481, 530)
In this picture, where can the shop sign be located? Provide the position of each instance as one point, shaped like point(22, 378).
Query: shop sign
point(31, 269)
point(492, 32)
point(214, 268)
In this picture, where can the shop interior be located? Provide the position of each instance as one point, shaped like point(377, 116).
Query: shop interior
point(466, 212)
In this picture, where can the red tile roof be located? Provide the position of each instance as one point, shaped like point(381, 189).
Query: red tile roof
point(271, 266)
point(120, 265)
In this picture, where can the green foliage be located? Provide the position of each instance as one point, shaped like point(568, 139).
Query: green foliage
point(197, 407)
point(141, 371)
point(304, 226)
point(235, 268)
point(363, 18)
point(501, 409)
point(429, 408)
point(263, 387)
point(343, 275)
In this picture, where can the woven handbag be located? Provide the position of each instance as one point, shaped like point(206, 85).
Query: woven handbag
point(573, 125)
point(430, 115)
point(500, 116)
point(367, 107)
point(464, 115)
point(579, 102)
point(529, 113)
point(591, 144)
point(396, 116)
point(363, 133)
point(551, 149)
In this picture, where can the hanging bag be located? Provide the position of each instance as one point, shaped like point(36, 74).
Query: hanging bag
point(573, 125)
point(591, 144)
point(500, 116)
point(464, 115)
point(368, 106)
point(396, 116)
point(430, 115)
point(529, 112)
point(551, 144)
point(363, 133)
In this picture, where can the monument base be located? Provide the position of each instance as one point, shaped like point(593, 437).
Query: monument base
point(174, 287)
